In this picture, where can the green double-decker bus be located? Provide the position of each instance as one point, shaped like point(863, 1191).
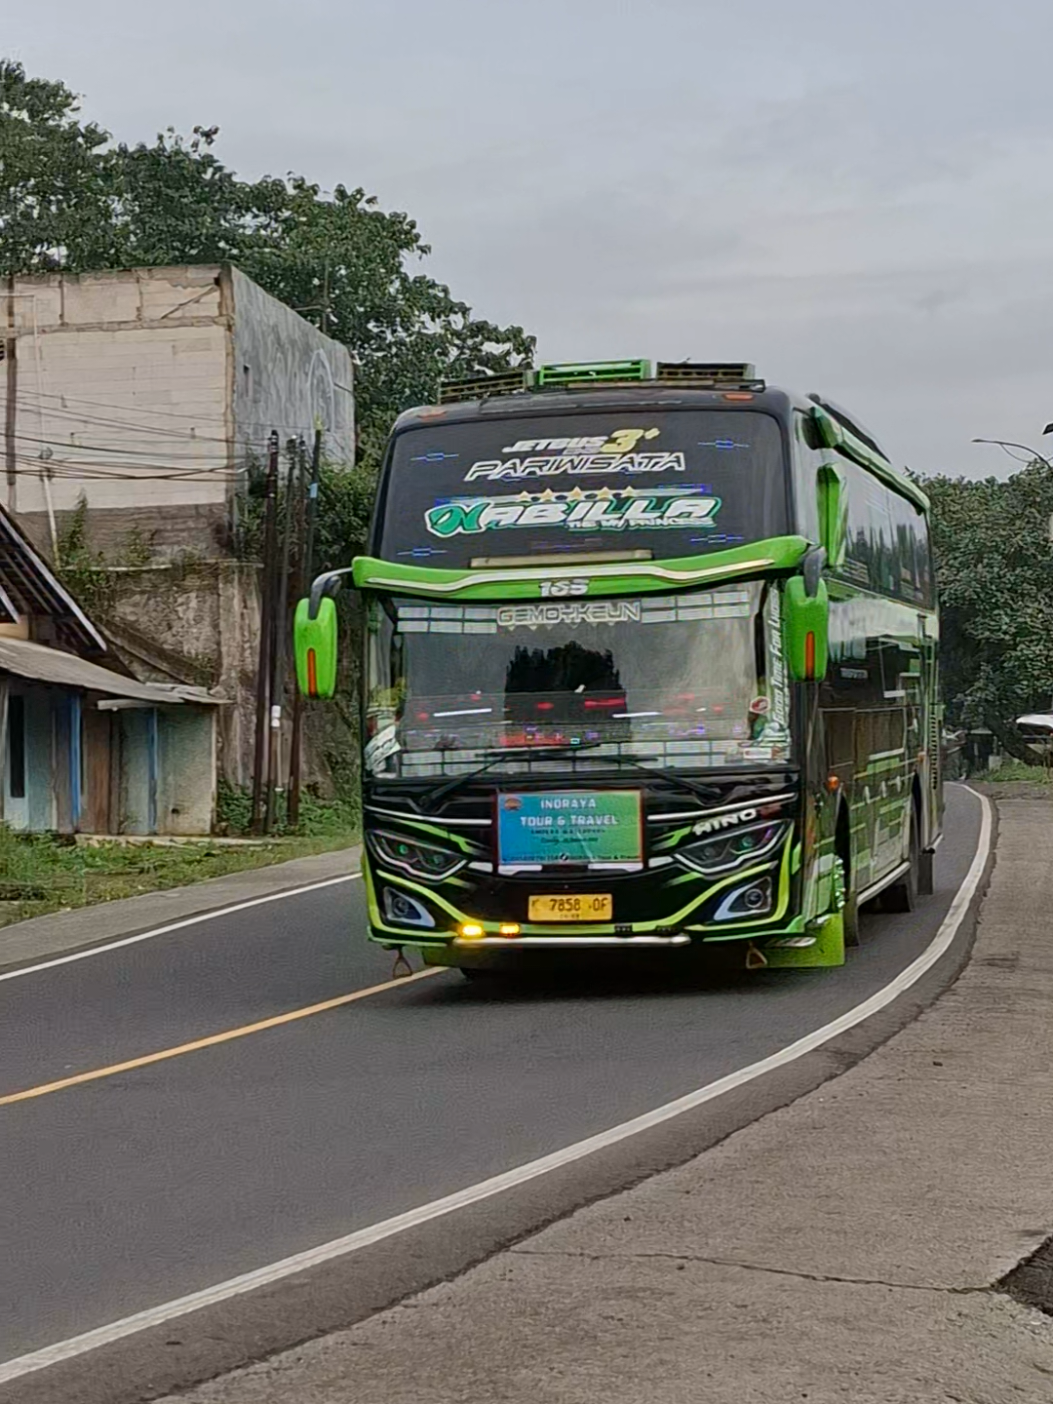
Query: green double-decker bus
point(650, 662)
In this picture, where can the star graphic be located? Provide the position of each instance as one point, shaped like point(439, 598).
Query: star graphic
point(604, 495)
point(547, 496)
point(575, 495)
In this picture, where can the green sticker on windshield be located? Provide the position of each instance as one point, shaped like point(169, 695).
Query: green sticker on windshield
point(624, 509)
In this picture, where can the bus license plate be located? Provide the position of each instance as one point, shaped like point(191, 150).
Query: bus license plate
point(593, 906)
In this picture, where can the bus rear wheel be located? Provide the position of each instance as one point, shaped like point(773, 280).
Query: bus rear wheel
point(902, 895)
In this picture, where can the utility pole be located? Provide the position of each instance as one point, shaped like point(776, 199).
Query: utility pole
point(304, 565)
point(279, 650)
point(11, 406)
point(263, 670)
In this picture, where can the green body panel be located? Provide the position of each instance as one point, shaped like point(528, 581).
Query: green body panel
point(805, 616)
point(835, 436)
point(781, 553)
point(833, 514)
point(829, 948)
point(317, 636)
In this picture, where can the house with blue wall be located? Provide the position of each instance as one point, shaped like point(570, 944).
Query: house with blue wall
point(84, 748)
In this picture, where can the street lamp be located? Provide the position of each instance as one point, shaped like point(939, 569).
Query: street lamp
point(1008, 444)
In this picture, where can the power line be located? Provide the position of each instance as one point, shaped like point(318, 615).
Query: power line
point(153, 410)
point(99, 448)
point(142, 473)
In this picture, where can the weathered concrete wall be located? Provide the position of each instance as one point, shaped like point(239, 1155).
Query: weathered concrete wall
point(150, 391)
point(195, 528)
point(288, 376)
point(186, 770)
point(123, 382)
point(197, 624)
point(40, 756)
point(35, 809)
point(134, 798)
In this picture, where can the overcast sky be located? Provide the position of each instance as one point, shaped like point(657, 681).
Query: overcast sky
point(855, 196)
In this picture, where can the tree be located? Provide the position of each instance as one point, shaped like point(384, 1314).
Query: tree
point(53, 184)
point(995, 573)
point(72, 199)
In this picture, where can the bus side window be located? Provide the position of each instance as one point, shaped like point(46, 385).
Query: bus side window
point(862, 564)
point(914, 584)
point(926, 575)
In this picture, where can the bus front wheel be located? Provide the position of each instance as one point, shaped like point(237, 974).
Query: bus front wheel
point(849, 904)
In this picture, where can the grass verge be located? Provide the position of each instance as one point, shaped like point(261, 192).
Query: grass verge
point(1013, 771)
point(43, 873)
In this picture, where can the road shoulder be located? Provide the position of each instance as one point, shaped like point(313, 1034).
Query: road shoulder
point(62, 933)
point(848, 1246)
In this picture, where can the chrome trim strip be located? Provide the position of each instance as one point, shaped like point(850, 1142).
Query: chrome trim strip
point(509, 943)
point(428, 818)
point(722, 809)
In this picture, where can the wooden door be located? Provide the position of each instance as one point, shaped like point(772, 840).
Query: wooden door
point(96, 807)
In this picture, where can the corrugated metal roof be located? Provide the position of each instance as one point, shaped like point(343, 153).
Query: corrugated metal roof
point(32, 587)
point(51, 665)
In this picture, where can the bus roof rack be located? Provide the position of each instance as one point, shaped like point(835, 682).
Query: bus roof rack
point(710, 375)
point(578, 373)
point(581, 375)
point(478, 387)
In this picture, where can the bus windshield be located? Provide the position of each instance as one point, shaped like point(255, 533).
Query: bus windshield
point(666, 482)
point(692, 681)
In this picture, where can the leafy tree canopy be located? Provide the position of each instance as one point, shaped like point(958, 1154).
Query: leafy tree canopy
point(72, 199)
point(995, 571)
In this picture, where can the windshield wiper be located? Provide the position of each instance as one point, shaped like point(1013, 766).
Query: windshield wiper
point(706, 792)
point(432, 797)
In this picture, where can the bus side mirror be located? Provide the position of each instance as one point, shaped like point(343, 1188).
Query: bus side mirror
point(805, 629)
point(833, 513)
point(315, 646)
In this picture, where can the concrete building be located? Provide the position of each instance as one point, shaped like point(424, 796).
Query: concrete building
point(83, 748)
point(150, 391)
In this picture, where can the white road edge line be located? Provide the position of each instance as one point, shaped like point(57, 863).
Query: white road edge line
point(212, 915)
point(486, 1189)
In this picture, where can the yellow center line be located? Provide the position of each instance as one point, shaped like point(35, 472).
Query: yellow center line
point(212, 1040)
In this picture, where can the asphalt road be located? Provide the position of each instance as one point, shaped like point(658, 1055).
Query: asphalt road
point(133, 1189)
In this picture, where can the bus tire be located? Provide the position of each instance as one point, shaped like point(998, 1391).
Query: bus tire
point(850, 919)
point(926, 875)
point(902, 895)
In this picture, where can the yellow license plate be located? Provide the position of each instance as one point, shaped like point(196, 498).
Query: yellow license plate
point(593, 906)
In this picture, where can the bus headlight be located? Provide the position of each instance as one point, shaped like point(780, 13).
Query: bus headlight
point(724, 852)
point(752, 899)
point(404, 910)
point(423, 860)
